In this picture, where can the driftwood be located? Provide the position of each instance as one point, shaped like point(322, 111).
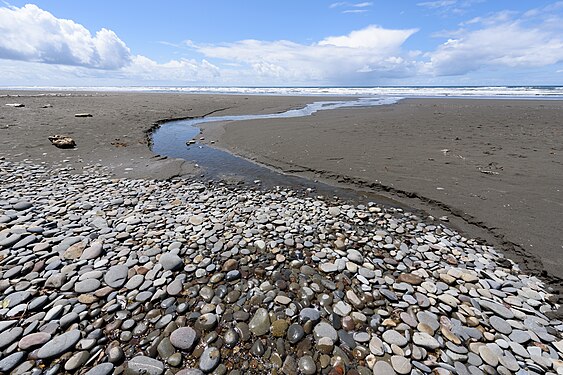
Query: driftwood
point(62, 141)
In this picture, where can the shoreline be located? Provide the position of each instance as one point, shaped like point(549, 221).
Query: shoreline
point(189, 106)
point(244, 139)
point(189, 275)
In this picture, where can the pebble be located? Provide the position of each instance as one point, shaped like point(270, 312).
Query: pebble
point(498, 309)
point(401, 364)
point(145, 366)
point(209, 359)
point(116, 276)
point(171, 261)
point(383, 368)
point(394, 338)
point(59, 344)
point(500, 325)
point(260, 322)
point(101, 369)
point(425, 340)
point(193, 275)
point(9, 362)
point(307, 365)
point(295, 333)
point(33, 339)
point(324, 329)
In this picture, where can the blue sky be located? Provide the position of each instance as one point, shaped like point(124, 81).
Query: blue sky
point(266, 43)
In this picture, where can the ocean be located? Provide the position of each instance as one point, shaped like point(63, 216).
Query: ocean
point(523, 92)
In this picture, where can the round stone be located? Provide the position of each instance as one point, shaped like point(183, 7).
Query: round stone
point(497, 308)
point(383, 368)
point(394, 337)
point(500, 325)
point(307, 365)
point(10, 361)
point(231, 338)
point(260, 322)
point(410, 278)
point(209, 359)
point(145, 366)
point(206, 322)
point(116, 276)
point(77, 360)
point(115, 354)
point(425, 340)
point(23, 205)
point(295, 333)
point(101, 369)
point(87, 286)
point(489, 356)
point(183, 338)
point(342, 308)
point(355, 256)
point(171, 261)
point(279, 327)
point(324, 329)
point(59, 344)
point(9, 336)
point(34, 339)
point(401, 364)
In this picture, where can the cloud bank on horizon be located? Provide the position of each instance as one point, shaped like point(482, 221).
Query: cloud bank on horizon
point(36, 47)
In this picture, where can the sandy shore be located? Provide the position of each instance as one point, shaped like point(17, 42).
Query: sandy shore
point(116, 134)
point(499, 179)
point(491, 166)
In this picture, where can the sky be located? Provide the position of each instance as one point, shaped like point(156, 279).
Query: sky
point(281, 43)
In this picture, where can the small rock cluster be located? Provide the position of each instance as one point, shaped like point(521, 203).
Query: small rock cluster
point(103, 276)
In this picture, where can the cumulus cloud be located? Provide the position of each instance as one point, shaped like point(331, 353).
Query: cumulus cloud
point(499, 41)
point(36, 46)
point(32, 34)
point(330, 59)
point(146, 69)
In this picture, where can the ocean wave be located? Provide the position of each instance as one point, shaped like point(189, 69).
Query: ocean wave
point(554, 92)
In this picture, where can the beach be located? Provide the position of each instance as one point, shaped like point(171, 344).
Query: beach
point(116, 260)
point(492, 166)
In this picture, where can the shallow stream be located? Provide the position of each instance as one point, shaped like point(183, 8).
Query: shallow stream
point(177, 139)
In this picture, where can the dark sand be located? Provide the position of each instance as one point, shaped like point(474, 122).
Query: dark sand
point(502, 178)
point(116, 134)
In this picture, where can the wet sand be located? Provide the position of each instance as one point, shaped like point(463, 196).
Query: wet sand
point(500, 179)
point(493, 167)
point(117, 134)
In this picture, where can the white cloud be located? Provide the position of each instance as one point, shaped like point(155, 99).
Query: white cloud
point(348, 4)
point(449, 7)
point(332, 59)
point(363, 5)
point(351, 11)
point(500, 41)
point(145, 69)
point(437, 4)
point(38, 48)
point(353, 8)
point(376, 38)
point(32, 34)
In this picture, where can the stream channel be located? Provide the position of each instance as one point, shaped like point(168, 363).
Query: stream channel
point(177, 139)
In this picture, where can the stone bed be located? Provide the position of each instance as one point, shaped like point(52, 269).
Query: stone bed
point(104, 276)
